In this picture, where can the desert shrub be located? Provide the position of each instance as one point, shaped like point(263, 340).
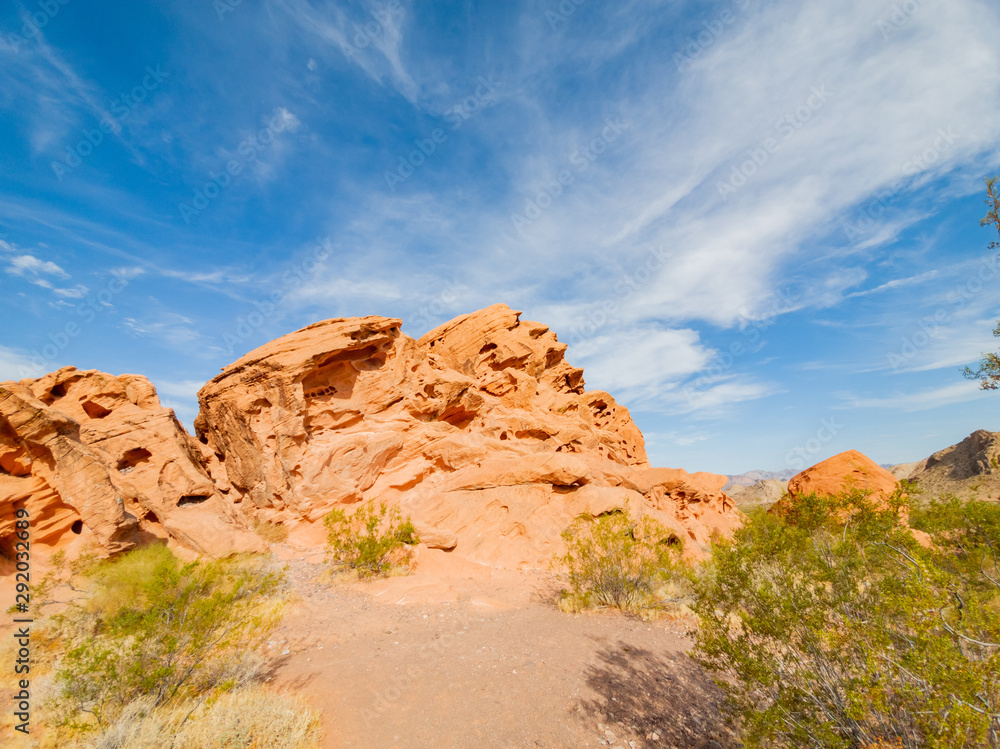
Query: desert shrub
point(371, 540)
point(832, 627)
point(156, 630)
point(618, 560)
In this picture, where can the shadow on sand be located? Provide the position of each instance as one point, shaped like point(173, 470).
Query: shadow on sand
point(669, 695)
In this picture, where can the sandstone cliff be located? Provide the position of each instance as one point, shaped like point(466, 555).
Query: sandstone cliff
point(481, 431)
point(96, 458)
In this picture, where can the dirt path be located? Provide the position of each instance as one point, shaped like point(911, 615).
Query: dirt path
point(426, 661)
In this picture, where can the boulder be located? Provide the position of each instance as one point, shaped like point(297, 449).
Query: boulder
point(848, 470)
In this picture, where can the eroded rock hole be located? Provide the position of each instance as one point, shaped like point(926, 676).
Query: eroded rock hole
point(95, 410)
point(191, 499)
point(77, 527)
point(132, 458)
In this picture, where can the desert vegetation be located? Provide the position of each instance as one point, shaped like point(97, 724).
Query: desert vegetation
point(622, 561)
point(372, 541)
point(154, 652)
point(830, 624)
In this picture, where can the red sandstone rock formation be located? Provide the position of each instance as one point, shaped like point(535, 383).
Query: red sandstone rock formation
point(480, 430)
point(96, 459)
point(844, 472)
point(848, 470)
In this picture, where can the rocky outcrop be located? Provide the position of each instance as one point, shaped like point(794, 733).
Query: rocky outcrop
point(848, 470)
point(95, 459)
point(764, 493)
point(969, 469)
point(481, 431)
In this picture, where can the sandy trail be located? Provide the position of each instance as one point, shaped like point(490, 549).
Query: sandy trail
point(432, 661)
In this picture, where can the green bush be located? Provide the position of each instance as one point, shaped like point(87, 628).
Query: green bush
point(157, 630)
point(618, 560)
point(371, 541)
point(833, 627)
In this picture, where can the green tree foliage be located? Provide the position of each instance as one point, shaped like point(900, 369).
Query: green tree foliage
point(618, 560)
point(988, 371)
point(157, 630)
point(836, 628)
point(371, 541)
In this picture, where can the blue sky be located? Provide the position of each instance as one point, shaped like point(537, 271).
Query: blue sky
point(755, 223)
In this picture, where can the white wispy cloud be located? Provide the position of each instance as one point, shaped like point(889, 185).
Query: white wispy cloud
point(16, 366)
point(921, 400)
point(33, 268)
point(43, 273)
point(173, 329)
point(852, 113)
point(896, 283)
point(377, 54)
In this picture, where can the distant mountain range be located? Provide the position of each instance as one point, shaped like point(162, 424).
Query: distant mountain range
point(752, 477)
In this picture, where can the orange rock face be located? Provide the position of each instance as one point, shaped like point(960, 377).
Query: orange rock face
point(480, 431)
point(848, 470)
point(95, 459)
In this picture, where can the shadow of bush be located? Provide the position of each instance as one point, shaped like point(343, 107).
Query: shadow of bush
point(669, 695)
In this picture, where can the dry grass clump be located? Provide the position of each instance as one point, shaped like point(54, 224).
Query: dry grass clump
point(152, 652)
point(273, 533)
point(249, 718)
